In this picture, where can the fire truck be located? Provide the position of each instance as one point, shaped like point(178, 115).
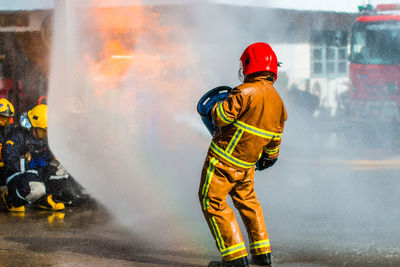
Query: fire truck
point(375, 71)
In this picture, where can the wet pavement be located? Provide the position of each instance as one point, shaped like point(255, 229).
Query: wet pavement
point(80, 236)
point(86, 236)
point(340, 213)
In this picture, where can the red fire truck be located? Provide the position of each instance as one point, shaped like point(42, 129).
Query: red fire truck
point(375, 70)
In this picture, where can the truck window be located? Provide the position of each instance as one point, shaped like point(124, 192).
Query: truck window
point(376, 43)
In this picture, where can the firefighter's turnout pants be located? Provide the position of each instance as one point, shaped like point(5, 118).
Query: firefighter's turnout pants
point(217, 181)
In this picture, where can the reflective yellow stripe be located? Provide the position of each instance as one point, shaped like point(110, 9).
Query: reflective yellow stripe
point(271, 151)
point(234, 141)
point(10, 142)
point(259, 244)
point(233, 249)
point(256, 131)
point(206, 186)
point(222, 115)
point(229, 158)
point(217, 234)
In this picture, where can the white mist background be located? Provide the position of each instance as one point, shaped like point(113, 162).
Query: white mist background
point(143, 161)
point(133, 149)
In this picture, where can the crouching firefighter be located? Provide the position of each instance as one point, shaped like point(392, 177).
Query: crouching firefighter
point(59, 183)
point(247, 124)
point(6, 126)
point(25, 182)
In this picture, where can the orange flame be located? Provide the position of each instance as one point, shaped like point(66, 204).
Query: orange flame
point(115, 30)
point(135, 47)
point(133, 42)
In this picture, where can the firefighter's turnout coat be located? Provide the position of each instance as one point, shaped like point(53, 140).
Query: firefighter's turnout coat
point(251, 119)
point(24, 177)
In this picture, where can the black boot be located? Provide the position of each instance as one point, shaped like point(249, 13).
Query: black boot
point(262, 260)
point(241, 262)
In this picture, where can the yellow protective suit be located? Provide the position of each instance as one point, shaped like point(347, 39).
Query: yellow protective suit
point(251, 119)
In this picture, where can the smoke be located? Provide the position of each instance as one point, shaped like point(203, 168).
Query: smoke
point(126, 134)
point(137, 145)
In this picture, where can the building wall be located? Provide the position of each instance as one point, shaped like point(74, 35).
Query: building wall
point(22, 21)
point(295, 60)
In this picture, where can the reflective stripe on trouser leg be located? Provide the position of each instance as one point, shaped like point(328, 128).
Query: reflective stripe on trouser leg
point(213, 190)
point(260, 247)
point(206, 185)
point(245, 200)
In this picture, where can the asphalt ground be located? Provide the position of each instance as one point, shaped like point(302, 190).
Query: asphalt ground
point(341, 211)
point(87, 236)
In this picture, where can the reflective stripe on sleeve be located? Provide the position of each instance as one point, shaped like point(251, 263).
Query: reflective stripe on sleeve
point(221, 114)
point(271, 151)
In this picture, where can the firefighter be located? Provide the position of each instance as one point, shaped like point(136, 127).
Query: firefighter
point(26, 168)
point(250, 123)
point(6, 126)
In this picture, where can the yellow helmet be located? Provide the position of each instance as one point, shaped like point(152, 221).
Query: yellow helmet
point(38, 116)
point(6, 108)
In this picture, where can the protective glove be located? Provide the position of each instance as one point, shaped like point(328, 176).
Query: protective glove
point(265, 162)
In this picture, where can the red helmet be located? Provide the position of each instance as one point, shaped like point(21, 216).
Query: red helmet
point(259, 57)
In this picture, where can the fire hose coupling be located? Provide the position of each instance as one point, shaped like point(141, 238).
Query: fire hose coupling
point(207, 102)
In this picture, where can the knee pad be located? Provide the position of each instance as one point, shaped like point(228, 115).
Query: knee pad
point(38, 190)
